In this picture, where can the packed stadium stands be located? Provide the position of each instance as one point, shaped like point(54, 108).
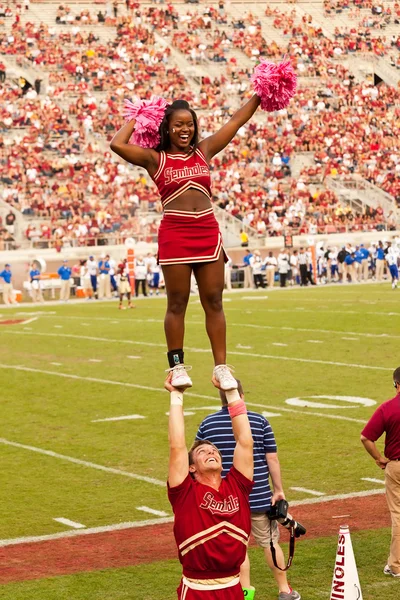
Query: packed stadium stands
point(65, 69)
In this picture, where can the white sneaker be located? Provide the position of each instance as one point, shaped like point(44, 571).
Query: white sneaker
point(223, 374)
point(180, 378)
point(388, 571)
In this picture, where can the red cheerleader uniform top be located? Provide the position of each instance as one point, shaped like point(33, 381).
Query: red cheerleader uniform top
point(177, 173)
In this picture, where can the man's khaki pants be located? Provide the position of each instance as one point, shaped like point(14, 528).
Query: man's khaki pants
point(356, 271)
point(392, 484)
point(248, 277)
point(8, 295)
point(37, 295)
point(345, 271)
point(379, 269)
point(270, 275)
point(104, 283)
point(364, 266)
point(65, 289)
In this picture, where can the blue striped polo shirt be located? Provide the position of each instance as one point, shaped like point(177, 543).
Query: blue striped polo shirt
point(217, 428)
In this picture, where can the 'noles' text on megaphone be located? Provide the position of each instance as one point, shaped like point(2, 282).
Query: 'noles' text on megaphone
point(345, 582)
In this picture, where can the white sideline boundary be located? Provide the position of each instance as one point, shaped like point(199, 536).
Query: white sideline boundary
point(207, 350)
point(136, 524)
point(83, 463)
point(382, 336)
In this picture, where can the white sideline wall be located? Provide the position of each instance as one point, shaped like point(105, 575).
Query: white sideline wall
point(20, 259)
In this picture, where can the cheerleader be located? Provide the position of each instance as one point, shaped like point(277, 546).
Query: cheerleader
point(189, 239)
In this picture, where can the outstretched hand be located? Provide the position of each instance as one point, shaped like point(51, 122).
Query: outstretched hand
point(216, 382)
point(169, 387)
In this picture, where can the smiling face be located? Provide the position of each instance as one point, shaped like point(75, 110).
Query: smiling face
point(205, 458)
point(181, 129)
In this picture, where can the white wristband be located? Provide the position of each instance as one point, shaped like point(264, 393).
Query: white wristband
point(176, 398)
point(232, 395)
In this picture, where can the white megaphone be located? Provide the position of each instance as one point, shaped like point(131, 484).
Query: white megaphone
point(345, 582)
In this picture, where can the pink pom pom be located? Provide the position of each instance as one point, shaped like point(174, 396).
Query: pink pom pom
point(148, 115)
point(274, 83)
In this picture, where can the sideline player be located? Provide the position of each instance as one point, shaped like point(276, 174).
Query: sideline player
point(391, 259)
point(212, 515)
point(124, 285)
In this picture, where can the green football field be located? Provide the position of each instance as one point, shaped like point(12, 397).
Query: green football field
point(83, 429)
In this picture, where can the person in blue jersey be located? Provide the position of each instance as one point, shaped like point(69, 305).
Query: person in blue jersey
point(248, 274)
point(64, 273)
point(348, 268)
point(380, 262)
point(36, 290)
point(8, 292)
point(392, 256)
point(217, 428)
point(364, 262)
point(358, 255)
point(104, 277)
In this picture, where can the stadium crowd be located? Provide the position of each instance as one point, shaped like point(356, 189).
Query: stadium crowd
point(55, 166)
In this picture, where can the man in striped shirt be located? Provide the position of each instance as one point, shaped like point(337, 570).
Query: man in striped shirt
point(217, 428)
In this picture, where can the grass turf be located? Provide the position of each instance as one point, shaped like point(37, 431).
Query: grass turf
point(311, 574)
point(53, 406)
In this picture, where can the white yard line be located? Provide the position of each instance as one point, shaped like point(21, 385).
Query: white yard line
point(306, 412)
point(150, 522)
point(29, 321)
point(279, 344)
point(56, 364)
point(307, 491)
point(87, 531)
point(338, 497)
point(152, 511)
point(123, 418)
point(373, 480)
point(70, 523)
point(153, 389)
point(97, 380)
point(315, 341)
point(250, 325)
point(207, 350)
point(335, 312)
point(83, 463)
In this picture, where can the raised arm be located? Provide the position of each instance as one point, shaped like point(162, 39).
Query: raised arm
point(178, 453)
point(219, 140)
point(243, 459)
point(142, 157)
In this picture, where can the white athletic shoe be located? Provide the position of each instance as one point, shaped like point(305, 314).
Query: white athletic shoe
point(388, 571)
point(180, 378)
point(223, 374)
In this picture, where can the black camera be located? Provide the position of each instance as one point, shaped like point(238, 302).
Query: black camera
point(279, 512)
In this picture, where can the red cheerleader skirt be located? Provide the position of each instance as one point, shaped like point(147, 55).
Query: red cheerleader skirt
point(187, 237)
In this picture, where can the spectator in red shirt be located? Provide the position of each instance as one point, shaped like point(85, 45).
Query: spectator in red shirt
point(386, 419)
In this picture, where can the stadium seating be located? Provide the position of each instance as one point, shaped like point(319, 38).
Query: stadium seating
point(55, 164)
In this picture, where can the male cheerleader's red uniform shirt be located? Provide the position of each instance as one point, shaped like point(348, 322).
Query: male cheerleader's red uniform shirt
point(211, 527)
point(177, 173)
